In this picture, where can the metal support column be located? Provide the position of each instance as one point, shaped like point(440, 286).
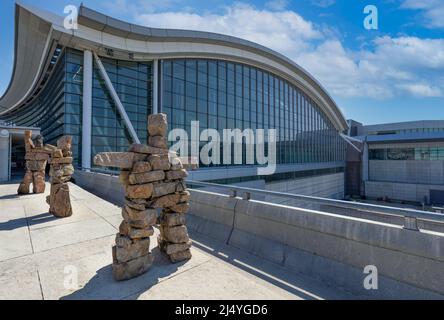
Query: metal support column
point(5, 157)
point(116, 99)
point(87, 109)
point(156, 86)
point(10, 158)
point(365, 159)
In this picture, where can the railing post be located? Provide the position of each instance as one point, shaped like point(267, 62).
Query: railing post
point(247, 196)
point(411, 223)
point(233, 193)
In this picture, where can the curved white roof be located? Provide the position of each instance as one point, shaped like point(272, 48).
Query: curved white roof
point(38, 32)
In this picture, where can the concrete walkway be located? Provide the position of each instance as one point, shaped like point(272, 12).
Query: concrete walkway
point(42, 257)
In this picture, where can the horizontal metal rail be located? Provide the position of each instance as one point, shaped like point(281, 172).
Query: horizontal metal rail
point(410, 215)
point(105, 171)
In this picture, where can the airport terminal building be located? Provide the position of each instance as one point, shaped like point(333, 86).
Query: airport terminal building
point(58, 85)
point(403, 162)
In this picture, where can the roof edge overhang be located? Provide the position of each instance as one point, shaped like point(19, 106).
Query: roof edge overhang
point(406, 138)
point(95, 27)
point(34, 43)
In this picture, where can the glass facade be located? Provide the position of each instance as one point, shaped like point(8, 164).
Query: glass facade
point(279, 177)
point(219, 94)
point(58, 109)
point(419, 153)
point(133, 83)
point(73, 100)
point(223, 95)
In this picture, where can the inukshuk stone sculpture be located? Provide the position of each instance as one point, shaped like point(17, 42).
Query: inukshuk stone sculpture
point(153, 179)
point(173, 239)
point(36, 158)
point(61, 170)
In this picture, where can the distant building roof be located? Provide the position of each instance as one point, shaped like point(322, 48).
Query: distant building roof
point(403, 137)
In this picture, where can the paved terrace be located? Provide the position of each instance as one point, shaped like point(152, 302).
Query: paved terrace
point(35, 249)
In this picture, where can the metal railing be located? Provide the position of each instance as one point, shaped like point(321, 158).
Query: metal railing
point(410, 215)
point(106, 171)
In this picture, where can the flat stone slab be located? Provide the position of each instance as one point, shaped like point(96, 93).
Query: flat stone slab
point(121, 160)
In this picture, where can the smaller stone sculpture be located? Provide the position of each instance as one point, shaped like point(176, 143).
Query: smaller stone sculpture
point(60, 173)
point(36, 158)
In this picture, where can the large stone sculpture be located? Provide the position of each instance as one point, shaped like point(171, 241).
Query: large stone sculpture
point(153, 179)
point(36, 158)
point(60, 173)
point(173, 239)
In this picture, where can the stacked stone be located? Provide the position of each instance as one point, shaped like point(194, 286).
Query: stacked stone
point(131, 254)
point(152, 179)
point(36, 158)
point(170, 195)
point(61, 171)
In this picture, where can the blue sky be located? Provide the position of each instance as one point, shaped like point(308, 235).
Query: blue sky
point(395, 73)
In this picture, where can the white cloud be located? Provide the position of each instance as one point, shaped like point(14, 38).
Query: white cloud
point(343, 74)
point(421, 90)
point(412, 52)
point(284, 31)
point(432, 11)
point(393, 67)
point(323, 3)
point(276, 5)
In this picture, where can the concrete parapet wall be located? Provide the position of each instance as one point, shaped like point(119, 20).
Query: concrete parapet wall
point(333, 248)
point(102, 185)
point(324, 186)
point(213, 214)
point(330, 247)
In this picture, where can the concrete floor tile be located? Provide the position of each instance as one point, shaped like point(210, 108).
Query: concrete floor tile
point(94, 269)
point(23, 287)
point(80, 213)
point(114, 220)
point(12, 215)
point(15, 242)
point(66, 234)
point(225, 283)
point(103, 208)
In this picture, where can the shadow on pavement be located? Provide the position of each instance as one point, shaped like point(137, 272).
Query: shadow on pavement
point(9, 197)
point(103, 286)
point(300, 285)
point(27, 221)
